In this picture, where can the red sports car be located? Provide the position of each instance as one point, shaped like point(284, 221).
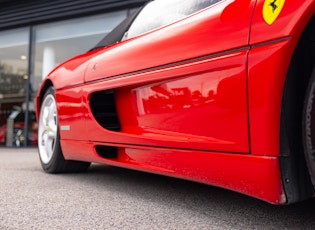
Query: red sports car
point(215, 91)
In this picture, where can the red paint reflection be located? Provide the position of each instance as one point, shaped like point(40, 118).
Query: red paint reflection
point(176, 95)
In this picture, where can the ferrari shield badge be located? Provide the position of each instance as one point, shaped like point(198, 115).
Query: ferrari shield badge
point(272, 9)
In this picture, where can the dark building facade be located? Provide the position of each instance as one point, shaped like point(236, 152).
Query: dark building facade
point(36, 36)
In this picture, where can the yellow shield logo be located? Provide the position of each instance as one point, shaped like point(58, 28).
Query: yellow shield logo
point(272, 9)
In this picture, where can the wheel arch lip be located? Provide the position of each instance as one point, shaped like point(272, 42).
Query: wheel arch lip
point(296, 189)
point(40, 94)
point(305, 17)
point(294, 171)
point(296, 59)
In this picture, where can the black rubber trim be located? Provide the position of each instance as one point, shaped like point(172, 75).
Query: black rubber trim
point(274, 41)
point(134, 146)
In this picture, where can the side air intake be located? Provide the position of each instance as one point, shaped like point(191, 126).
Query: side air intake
point(108, 152)
point(104, 109)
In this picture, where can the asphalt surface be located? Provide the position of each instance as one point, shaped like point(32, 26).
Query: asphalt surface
point(113, 198)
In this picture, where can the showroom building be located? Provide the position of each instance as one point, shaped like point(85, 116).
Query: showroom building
point(36, 36)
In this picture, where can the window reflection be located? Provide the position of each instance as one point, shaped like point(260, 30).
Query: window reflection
point(13, 79)
point(177, 95)
point(169, 12)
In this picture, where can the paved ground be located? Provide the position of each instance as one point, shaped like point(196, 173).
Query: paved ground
point(113, 198)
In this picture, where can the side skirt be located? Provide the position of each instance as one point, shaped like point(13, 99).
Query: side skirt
point(256, 176)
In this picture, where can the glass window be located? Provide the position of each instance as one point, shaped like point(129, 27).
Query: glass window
point(162, 12)
point(59, 41)
point(13, 78)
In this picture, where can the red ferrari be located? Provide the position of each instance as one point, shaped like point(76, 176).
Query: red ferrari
point(215, 91)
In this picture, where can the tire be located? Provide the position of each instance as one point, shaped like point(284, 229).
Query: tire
point(50, 153)
point(308, 127)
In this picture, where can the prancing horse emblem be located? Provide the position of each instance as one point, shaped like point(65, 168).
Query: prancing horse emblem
point(272, 9)
point(273, 5)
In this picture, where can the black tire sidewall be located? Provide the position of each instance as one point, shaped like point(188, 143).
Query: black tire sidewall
point(308, 127)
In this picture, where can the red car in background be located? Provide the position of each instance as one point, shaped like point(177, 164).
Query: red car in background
point(17, 136)
point(215, 91)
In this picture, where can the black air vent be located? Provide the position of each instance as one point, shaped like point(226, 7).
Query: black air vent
point(104, 109)
point(109, 152)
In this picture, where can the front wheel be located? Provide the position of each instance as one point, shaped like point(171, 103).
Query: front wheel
point(50, 153)
point(308, 127)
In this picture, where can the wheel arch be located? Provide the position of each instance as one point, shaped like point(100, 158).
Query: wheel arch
point(48, 83)
point(295, 176)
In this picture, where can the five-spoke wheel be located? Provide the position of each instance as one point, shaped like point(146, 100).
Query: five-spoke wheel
point(50, 153)
point(47, 129)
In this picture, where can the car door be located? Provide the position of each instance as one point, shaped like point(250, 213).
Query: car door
point(180, 83)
